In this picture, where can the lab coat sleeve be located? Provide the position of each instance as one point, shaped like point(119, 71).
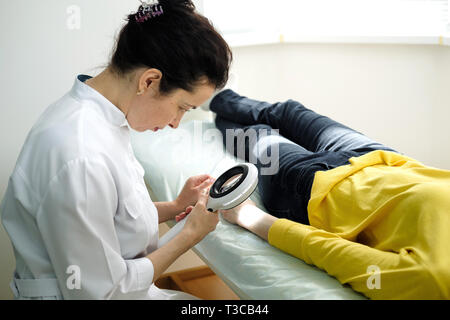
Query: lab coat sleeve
point(76, 221)
point(375, 273)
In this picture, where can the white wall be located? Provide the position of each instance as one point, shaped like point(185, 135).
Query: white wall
point(396, 94)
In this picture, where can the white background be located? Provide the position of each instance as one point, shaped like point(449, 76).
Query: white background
point(395, 93)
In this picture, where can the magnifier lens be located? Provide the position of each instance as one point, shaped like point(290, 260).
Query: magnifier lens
point(230, 183)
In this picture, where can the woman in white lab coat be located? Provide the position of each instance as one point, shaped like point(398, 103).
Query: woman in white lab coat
point(76, 209)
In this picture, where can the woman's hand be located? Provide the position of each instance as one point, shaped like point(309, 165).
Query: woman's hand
point(192, 190)
point(200, 221)
point(182, 215)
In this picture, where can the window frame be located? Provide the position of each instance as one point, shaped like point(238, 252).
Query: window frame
point(245, 39)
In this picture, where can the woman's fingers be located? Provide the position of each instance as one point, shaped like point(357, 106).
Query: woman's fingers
point(183, 215)
point(203, 198)
point(201, 221)
point(198, 180)
point(180, 216)
point(207, 183)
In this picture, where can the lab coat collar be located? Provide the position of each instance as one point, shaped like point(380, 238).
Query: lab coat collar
point(112, 114)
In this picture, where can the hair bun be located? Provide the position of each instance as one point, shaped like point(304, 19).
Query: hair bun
point(162, 6)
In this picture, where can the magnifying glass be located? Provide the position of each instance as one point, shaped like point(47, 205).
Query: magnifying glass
point(232, 188)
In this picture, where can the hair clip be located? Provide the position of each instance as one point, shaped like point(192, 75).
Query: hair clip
point(148, 9)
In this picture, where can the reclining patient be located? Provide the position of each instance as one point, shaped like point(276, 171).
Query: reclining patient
point(371, 217)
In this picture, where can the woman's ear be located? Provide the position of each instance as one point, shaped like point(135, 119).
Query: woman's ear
point(150, 79)
point(154, 76)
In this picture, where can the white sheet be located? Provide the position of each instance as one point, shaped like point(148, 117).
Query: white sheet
point(249, 265)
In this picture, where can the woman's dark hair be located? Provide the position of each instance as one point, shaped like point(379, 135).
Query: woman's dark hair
point(181, 43)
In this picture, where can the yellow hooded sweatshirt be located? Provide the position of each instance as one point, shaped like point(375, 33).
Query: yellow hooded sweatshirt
point(380, 224)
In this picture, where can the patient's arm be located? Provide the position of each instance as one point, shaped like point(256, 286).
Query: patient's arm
point(401, 276)
point(375, 273)
point(249, 216)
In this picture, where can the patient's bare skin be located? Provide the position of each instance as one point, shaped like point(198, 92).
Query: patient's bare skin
point(249, 216)
point(232, 215)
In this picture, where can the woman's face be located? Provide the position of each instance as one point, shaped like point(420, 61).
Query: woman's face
point(153, 111)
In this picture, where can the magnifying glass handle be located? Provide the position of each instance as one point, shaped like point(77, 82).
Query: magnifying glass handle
point(169, 235)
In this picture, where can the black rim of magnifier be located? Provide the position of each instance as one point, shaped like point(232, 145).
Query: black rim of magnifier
point(239, 169)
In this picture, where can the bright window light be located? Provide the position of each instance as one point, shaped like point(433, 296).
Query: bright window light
point(263, 19)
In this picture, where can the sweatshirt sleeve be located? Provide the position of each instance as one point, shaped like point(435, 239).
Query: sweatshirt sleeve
point(376, 274)
point(76, 221)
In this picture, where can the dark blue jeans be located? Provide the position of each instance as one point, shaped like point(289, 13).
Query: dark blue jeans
point(307, 143)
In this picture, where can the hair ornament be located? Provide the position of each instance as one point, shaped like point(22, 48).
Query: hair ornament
point(148, 10)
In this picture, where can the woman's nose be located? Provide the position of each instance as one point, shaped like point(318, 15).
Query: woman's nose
point(175, 123)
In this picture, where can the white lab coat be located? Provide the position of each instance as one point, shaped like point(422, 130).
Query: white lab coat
point(76, 208)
